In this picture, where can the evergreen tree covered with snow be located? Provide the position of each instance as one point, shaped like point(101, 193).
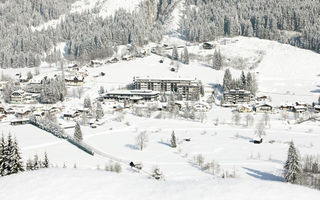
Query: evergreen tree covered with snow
point(173, 140)
point(243, 80)
point(292, 22)
point(175, 54)
point(217, 60)
point(87, 102)
point(78, 132)
point(48, 125)
point(45, 162)
point(292, 167)
point(99, 111)
point(36, 164)
point(185, 57)
point(52, 90)
point(10, 157)
point(227, 79)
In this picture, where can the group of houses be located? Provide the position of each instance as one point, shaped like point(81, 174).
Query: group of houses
point(244, 101)
point(20, 113)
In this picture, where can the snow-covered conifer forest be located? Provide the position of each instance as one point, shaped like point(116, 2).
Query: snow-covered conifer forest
point(159, 99)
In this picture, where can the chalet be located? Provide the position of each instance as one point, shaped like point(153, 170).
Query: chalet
point(286, 107)
point(70, 114)
point(17, 96)
point(10, 111)
point(262, 98)
point(23, 113)
point(244, 109)
point(2, 116)
point(300, 109)
point(300, 103)
point(24, 79)
point(35, 81)
point(112, 60)
point(127, 57)
point(75, 80)
point(94, 63)
point(19, 122)
point(38, 113)
point(183, 88)
point(207, 45)
point(2, 109)
point(54, 110)
point(234, 97)
point(263, 108)
point(133, 96)
point(317, 108)
point(73, 67)
point(201, 107)
point(31, 98)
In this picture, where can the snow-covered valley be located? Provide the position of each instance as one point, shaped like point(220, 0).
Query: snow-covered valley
point(219, 153)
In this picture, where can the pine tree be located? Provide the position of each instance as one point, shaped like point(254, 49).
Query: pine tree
point(243, 81)
point(175, 55)
point(9, 154)
point(17, 159)
point(292, 167)
point(29, 75)
point(87, 102)
point(217, 60)
point(10, 158)
point(101, 90)
point(185, 56)
point(78, 132)
point(249, 82)
point(29, 165)
point(45, 162)
point(227, 80)
point(99, 111)
point(3, 158)
point(173, 140)
point(36, 165)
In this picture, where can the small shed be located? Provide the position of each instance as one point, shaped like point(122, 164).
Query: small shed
point(207, 45)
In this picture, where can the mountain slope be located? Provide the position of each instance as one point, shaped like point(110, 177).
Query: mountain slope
point(98, 185)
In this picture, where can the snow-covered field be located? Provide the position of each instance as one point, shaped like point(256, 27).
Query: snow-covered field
point(69, 184)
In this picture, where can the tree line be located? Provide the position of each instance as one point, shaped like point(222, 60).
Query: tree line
point(293, 22)
point(87, 36)
point(245, 82)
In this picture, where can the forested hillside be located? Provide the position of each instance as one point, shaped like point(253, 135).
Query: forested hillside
point(296, 22)
point(87, 36)
point(19, 45)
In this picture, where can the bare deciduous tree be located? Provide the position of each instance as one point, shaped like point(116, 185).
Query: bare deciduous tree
point(260, 130)
point(142, 140)
point(249, 120)
point(236, 118)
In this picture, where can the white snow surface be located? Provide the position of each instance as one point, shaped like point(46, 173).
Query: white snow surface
point(66, 184)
